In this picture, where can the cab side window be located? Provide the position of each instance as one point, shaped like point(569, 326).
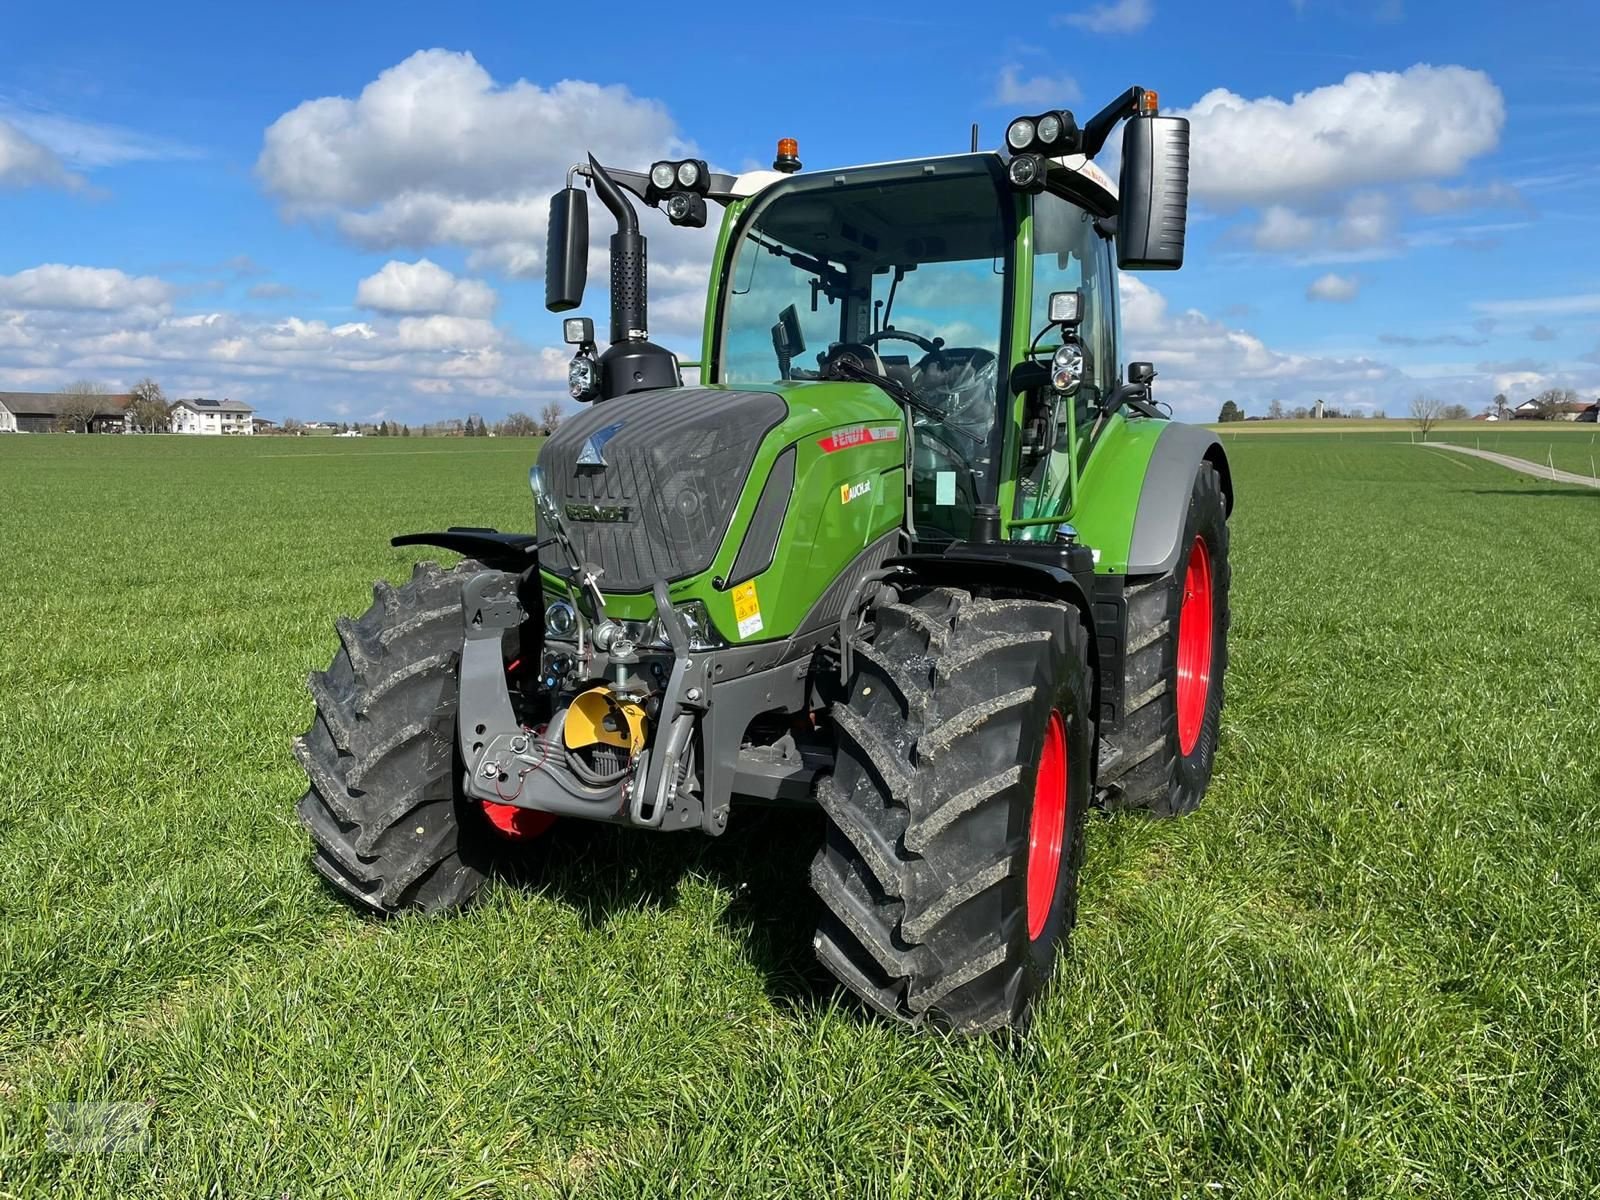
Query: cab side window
point(1067, 254)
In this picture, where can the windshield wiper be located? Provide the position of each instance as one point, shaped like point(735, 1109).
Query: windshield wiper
point(896, 390)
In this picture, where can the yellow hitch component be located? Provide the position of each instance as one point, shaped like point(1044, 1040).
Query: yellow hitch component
point(598, 715)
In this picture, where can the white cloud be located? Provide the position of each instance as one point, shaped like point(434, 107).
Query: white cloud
point(1433, 199)
point(25, 162)
point(424, 287)
point(1336, 289)
point(1117, 16)
point(434, 151)
point(1586, 302)
point(1364, 222)
point(1013, 89)
point(1202, 361)
point(92, 143)
point(1372, 128)
point(1282, 228)
point(55, 286)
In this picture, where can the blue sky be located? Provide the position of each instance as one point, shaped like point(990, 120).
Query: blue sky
point(337, 210)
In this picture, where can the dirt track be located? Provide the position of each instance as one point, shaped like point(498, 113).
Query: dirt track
point(1518, 464)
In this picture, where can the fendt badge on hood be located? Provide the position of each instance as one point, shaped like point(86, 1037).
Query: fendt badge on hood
point(593, 452)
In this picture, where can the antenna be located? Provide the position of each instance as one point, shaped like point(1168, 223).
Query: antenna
point(974, 137)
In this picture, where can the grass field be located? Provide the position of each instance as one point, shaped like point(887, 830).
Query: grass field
point(1569, 446)
point(1367, 967)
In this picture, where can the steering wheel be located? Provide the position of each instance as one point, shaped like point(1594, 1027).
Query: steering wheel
point(916, 339)
point(861, 354)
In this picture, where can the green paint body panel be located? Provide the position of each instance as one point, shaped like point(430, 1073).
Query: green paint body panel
point(1107, 494)
point(842, 501)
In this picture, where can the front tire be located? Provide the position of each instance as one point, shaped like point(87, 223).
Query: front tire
point(1161, 756)
point(391, 829)
point(955, 810)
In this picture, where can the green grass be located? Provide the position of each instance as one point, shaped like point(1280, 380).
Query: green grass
point(1367, 967)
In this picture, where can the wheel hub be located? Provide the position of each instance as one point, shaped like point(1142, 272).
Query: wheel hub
point(1047, 825)
point(1195, 633)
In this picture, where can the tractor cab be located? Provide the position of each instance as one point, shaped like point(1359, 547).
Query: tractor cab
point(935, 275)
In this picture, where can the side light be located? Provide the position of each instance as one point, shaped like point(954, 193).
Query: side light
point(1066, 368)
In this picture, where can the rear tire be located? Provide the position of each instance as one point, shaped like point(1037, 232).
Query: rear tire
point(1161, 756)
point(391, 828)
point(938, 828)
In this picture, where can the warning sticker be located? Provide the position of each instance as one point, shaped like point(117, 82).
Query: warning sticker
point(858, 435)
point(747, 609)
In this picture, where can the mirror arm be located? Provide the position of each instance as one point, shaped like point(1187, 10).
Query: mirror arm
point(1099, 126)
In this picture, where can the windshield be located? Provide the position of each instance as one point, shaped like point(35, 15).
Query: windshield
point(904, 277)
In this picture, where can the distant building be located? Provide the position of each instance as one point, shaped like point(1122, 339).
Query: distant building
point(1529, 410)
point(211, 416)
point(1591, 414)
point(42, 412)
point(263, 424)
point(1317, 411)
point(8, 420)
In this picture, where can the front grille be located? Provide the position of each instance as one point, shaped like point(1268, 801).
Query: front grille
point(674, 465)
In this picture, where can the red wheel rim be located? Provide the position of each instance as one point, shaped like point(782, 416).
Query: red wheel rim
point(1195, 630)
point(1046, 825)
point(515, 823)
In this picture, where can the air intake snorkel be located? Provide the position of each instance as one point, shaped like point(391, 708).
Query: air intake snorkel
point(632, 363)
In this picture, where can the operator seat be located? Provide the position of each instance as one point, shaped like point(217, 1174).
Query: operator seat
point(959, 380)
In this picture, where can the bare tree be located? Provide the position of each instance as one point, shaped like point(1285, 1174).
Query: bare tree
point(1500, 407)
point(1275, 411)
point(550, 417)
point(1455, 412)
point(518, 424)
point(149, 407)
point(1426, 411)
point(81, 401)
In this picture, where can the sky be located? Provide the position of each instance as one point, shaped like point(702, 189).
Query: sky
point(337, 211)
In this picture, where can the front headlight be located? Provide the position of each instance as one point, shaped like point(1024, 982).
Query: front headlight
point(1020, 133)
point(661, 175)
point(581, 377)
point(561, 620)
point(1049, 129)
point(688, 174)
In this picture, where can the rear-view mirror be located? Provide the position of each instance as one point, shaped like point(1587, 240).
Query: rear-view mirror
point(567, 250)
point(1154, 194)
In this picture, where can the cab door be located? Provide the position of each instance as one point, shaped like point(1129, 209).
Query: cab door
point(1069, 254)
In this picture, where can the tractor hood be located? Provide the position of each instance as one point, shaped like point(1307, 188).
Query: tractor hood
point(647, 483)
point(664, 484)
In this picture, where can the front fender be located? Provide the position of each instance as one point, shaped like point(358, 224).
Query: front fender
point(1134, 493)
point(1164, 498)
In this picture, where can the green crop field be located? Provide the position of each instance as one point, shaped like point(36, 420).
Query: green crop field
point(1368, 966)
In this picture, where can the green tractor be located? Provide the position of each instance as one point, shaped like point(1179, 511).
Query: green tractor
point(918, 549)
